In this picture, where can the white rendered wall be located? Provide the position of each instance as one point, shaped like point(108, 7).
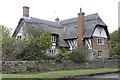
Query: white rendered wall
point(99, 32)
point(88, 43)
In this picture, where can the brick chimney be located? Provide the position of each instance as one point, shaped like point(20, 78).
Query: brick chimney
point(80, 27)
point(25, 12)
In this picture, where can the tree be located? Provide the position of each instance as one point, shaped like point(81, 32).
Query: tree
point(29, 48)
point(114, 44)
point(7, 43)
point(36, 47)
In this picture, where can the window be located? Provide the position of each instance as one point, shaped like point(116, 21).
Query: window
point(52, 51)
point(99, 53)
point(19, 37)
point(53, 39)
point(100, 41)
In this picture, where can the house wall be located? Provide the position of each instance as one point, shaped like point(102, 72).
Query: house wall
point(22, 30)
point(99, 32)
point(53, 50)
point(88, 43)
point(72, 43)
point(100, 47)
point(97, 47)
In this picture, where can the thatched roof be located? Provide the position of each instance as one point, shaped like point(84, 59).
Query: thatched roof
point(66, 29)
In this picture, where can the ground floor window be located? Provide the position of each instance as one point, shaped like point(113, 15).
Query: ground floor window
point(52, 51)
point(19, 37)
point(99, 53)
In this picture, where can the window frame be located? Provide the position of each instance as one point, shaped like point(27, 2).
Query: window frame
point(53, 39)
point(19, 37)
point(100, 41)
point(99, 53)
point(52, 51)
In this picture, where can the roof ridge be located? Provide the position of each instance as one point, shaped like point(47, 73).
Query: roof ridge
point(41, 19)
point(87, 17)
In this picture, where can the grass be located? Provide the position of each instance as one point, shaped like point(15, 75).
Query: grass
point(58, 74)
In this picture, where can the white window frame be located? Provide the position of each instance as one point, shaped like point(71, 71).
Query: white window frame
point(52, 51)
point(53, 39)
point(100, 53)
point(19, 37)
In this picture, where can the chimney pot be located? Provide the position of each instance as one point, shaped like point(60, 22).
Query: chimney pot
point(80, 9)
point(26, 11)
point(57, 19)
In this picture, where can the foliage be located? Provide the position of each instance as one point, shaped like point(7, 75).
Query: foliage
point(36, 47)
point(29, 48)
point(114, 44)
point(44, 40)
point(7, 43)
point(62, 55)
point(79, 54)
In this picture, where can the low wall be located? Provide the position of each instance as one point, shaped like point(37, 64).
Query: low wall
point(29, 66)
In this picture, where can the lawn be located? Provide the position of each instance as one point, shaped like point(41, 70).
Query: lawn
point(58, 74)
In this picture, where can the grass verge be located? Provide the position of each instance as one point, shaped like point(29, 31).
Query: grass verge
point(59, 74)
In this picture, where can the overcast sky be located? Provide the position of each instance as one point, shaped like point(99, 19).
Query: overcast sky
point(11, 10)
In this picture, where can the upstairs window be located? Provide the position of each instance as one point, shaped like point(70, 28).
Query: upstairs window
point(53, 39)
point(100, 41)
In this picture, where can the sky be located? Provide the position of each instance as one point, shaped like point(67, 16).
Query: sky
point(12, 10)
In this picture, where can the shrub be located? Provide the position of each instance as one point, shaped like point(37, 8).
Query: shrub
point(62, 55)
point(79, 54)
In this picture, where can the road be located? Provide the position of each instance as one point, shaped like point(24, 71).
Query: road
point(112, 75)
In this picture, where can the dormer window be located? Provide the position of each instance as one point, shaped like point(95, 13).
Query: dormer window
point(53, 39)
point(100, 41)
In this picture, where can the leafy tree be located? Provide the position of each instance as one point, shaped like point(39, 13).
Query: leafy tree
point(36, 47)
point(7, 43)
point(44, 40)
point(114, 44)
point(29, 48)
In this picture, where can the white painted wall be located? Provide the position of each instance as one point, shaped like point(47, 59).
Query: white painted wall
point(19, 34)
point(100, 32)
point(88, 43)
point(72, 43)
point(53, 47)
point(103, 34)
point(54, 44)
point(23, 26)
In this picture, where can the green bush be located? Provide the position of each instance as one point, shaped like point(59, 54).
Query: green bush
point(62, 55)
point(79, 54)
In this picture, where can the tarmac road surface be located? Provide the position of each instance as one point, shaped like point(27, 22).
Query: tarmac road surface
point(112, 75)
